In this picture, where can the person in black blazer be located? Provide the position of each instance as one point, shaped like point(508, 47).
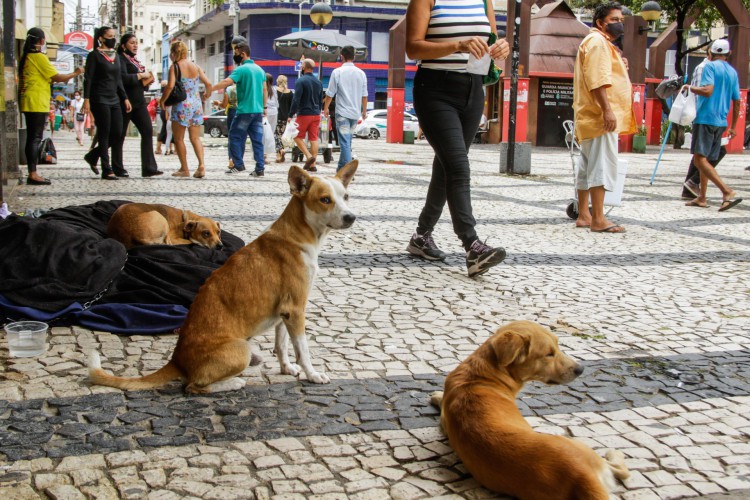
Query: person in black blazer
point(135, 79)
point(104, 95)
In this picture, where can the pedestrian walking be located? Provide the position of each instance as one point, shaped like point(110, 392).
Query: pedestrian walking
point(250, 82)
point(306, 105)
point(718, 89)
point(105, 96)
point(272, 110)
point(348, 84)
point(602, 104)
point(79, 117)
point(187, 114)
point(284, 95)
point(35, 75)
point(229, 105)
point(135, 79)
point(691, 186)
point(449, 101)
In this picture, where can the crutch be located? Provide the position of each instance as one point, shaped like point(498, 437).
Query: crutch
point(669, 127)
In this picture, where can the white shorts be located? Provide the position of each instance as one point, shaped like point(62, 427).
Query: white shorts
point(597, 165)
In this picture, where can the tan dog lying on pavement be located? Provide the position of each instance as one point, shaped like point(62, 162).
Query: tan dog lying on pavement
point(135, 224)
point(263, 285)
point(494, 441)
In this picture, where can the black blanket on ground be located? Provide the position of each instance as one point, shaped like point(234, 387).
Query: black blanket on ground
point(65, 257)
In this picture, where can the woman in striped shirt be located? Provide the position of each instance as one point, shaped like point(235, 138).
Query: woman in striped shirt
point(440, 35)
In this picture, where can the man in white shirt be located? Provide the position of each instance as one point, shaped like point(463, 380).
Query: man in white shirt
point(348, 84)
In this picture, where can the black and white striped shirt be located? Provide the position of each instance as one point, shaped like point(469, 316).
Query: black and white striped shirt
point(455, 20)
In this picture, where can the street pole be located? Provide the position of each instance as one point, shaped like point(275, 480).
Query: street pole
point(77, 58)
point(514, 89)
point(236, 18)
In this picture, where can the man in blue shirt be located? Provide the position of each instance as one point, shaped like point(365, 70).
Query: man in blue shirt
point(719, 87)
point(250, 81)
point(308, 93)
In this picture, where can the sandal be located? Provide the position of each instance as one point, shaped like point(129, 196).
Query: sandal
point(180, 173)
point(200, 173)
point(696, 203)
point(727, 204)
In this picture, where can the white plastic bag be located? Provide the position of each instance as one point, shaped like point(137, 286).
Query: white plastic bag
point(683, 108)
point(269, 143)
point(290, 132)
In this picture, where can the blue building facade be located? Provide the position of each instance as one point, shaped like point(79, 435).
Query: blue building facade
point(264, 22)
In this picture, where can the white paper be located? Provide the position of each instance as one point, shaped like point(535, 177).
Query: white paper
point(478, 66)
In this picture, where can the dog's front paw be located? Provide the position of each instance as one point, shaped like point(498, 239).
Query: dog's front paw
point(318, 378)
point(290, 369)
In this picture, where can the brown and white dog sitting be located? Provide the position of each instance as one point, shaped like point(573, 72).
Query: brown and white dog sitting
point(494, 441)
point(263, 285)
point(135, 224)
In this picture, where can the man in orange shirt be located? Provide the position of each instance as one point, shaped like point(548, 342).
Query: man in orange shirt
point(602, 102)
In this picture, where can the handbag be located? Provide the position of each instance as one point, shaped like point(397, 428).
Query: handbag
point(290, 132)
point(269, 143)
point(493, 74)
point(178, 93)
point(80, 117)
point(683, 108)
point(47, 152)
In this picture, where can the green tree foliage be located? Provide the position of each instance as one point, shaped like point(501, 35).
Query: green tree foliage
point(705, 13)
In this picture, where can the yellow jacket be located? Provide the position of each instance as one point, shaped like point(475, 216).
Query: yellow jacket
point(599, 64)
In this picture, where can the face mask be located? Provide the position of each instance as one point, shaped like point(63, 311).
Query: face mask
point(615, 30)
point(237, 59)
point(78, 98)
point(109, 43)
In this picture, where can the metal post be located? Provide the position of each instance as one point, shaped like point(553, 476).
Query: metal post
point(513, 89)
point(236, 18)
point(77, 57)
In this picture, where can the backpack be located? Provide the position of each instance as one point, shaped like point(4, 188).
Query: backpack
point(47, 152)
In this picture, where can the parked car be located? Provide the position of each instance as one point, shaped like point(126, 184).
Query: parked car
point(215, 124)
point(374, 125)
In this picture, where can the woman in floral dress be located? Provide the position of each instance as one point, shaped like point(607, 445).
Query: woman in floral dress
point(188, 114)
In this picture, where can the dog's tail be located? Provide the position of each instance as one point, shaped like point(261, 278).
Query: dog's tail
point(436, 399)
point(159, 378)
point(616, 462)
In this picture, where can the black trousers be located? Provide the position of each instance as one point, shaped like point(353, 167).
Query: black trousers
point(449, 106)
point(35, 124)
point(142, 121)
point(108, 118)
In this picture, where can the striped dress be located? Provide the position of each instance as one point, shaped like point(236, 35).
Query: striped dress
point(455, 20)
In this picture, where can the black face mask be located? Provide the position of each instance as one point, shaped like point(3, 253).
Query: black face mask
point(237, 59)
point(615, 30)
point(109, 43)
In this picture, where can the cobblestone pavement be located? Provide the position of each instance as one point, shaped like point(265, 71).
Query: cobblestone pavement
point(659, 315)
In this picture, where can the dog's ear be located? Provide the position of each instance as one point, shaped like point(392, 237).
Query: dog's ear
point(346, 173)
point(218, 226)
point(510, 347)
point(189, 226)
point(299, 181)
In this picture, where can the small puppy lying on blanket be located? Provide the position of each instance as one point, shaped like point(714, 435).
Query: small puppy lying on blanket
point(135, 224)
point(494, 441)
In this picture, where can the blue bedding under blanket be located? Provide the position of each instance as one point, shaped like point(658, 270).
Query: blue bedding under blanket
point(123, 319)
point(52, 266)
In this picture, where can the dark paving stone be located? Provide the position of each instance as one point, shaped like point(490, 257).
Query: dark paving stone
point(168, 417)
point(133, 417)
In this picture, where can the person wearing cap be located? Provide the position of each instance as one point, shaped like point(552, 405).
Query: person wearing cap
point(35, 73)
point(719, 87)
point(692, 185)
point(306, 105)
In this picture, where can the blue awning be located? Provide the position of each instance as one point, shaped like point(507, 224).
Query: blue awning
point(72, 49)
